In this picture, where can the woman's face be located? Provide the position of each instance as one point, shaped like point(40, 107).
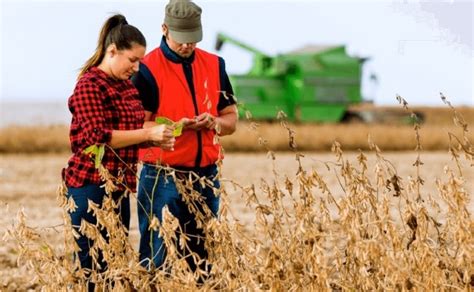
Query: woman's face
point(124, 63)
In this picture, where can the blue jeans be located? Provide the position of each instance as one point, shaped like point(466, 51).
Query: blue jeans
point(96, 194)
point(157, 191)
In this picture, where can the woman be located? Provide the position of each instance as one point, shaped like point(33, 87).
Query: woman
point(106, 110)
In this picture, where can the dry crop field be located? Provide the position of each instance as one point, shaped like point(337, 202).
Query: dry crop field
point(310, 137)
point(340, 220)
point(30, 182)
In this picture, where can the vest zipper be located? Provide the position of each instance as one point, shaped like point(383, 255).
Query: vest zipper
point(188, 72)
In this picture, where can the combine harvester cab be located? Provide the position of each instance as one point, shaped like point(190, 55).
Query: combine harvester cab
point(314, 84)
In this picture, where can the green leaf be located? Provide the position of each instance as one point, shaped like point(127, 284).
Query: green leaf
point(99, 156)
point(163, 120)
point(91, 150)
point(96, 151)
point(178, 130)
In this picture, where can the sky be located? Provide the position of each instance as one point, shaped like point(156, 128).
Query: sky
point(416, 48)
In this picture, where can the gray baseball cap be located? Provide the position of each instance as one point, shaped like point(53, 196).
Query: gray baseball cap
point(183, 18)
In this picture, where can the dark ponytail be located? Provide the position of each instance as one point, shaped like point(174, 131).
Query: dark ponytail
point(115, 30)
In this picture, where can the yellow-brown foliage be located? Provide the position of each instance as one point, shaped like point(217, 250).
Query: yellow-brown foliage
point(381, 232)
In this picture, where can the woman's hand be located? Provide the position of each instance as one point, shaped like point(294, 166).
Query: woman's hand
point(162, 136)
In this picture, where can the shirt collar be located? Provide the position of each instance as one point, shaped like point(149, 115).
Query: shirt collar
point(172, 56)
point(101, 74)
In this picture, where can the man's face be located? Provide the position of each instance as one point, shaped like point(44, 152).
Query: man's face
point(182, 49)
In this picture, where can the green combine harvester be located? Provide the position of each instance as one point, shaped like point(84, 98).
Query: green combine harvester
point(314, 84)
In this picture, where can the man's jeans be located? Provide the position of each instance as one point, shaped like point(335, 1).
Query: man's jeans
point(96, 194)
point(154, 194)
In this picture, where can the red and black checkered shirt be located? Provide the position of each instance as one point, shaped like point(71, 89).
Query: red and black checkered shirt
point(99, 105)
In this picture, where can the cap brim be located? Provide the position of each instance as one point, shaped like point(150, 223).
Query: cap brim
point(185, 37)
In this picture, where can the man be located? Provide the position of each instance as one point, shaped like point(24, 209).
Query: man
point(188, 85)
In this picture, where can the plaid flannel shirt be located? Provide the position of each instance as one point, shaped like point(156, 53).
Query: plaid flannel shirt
point(99, 105)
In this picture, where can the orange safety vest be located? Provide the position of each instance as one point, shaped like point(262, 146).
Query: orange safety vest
point(176, 102)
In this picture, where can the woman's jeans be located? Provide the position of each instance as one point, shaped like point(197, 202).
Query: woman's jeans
point(154, 194)
point(96, 194)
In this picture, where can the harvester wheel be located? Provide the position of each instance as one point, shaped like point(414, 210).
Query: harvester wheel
point(352, 118)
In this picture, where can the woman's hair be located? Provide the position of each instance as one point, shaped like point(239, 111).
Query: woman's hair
point(115, 30)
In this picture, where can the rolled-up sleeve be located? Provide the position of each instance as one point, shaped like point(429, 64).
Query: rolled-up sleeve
point(87, 108)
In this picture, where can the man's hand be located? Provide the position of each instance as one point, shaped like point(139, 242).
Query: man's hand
point(203, 121)
point(206, 120)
